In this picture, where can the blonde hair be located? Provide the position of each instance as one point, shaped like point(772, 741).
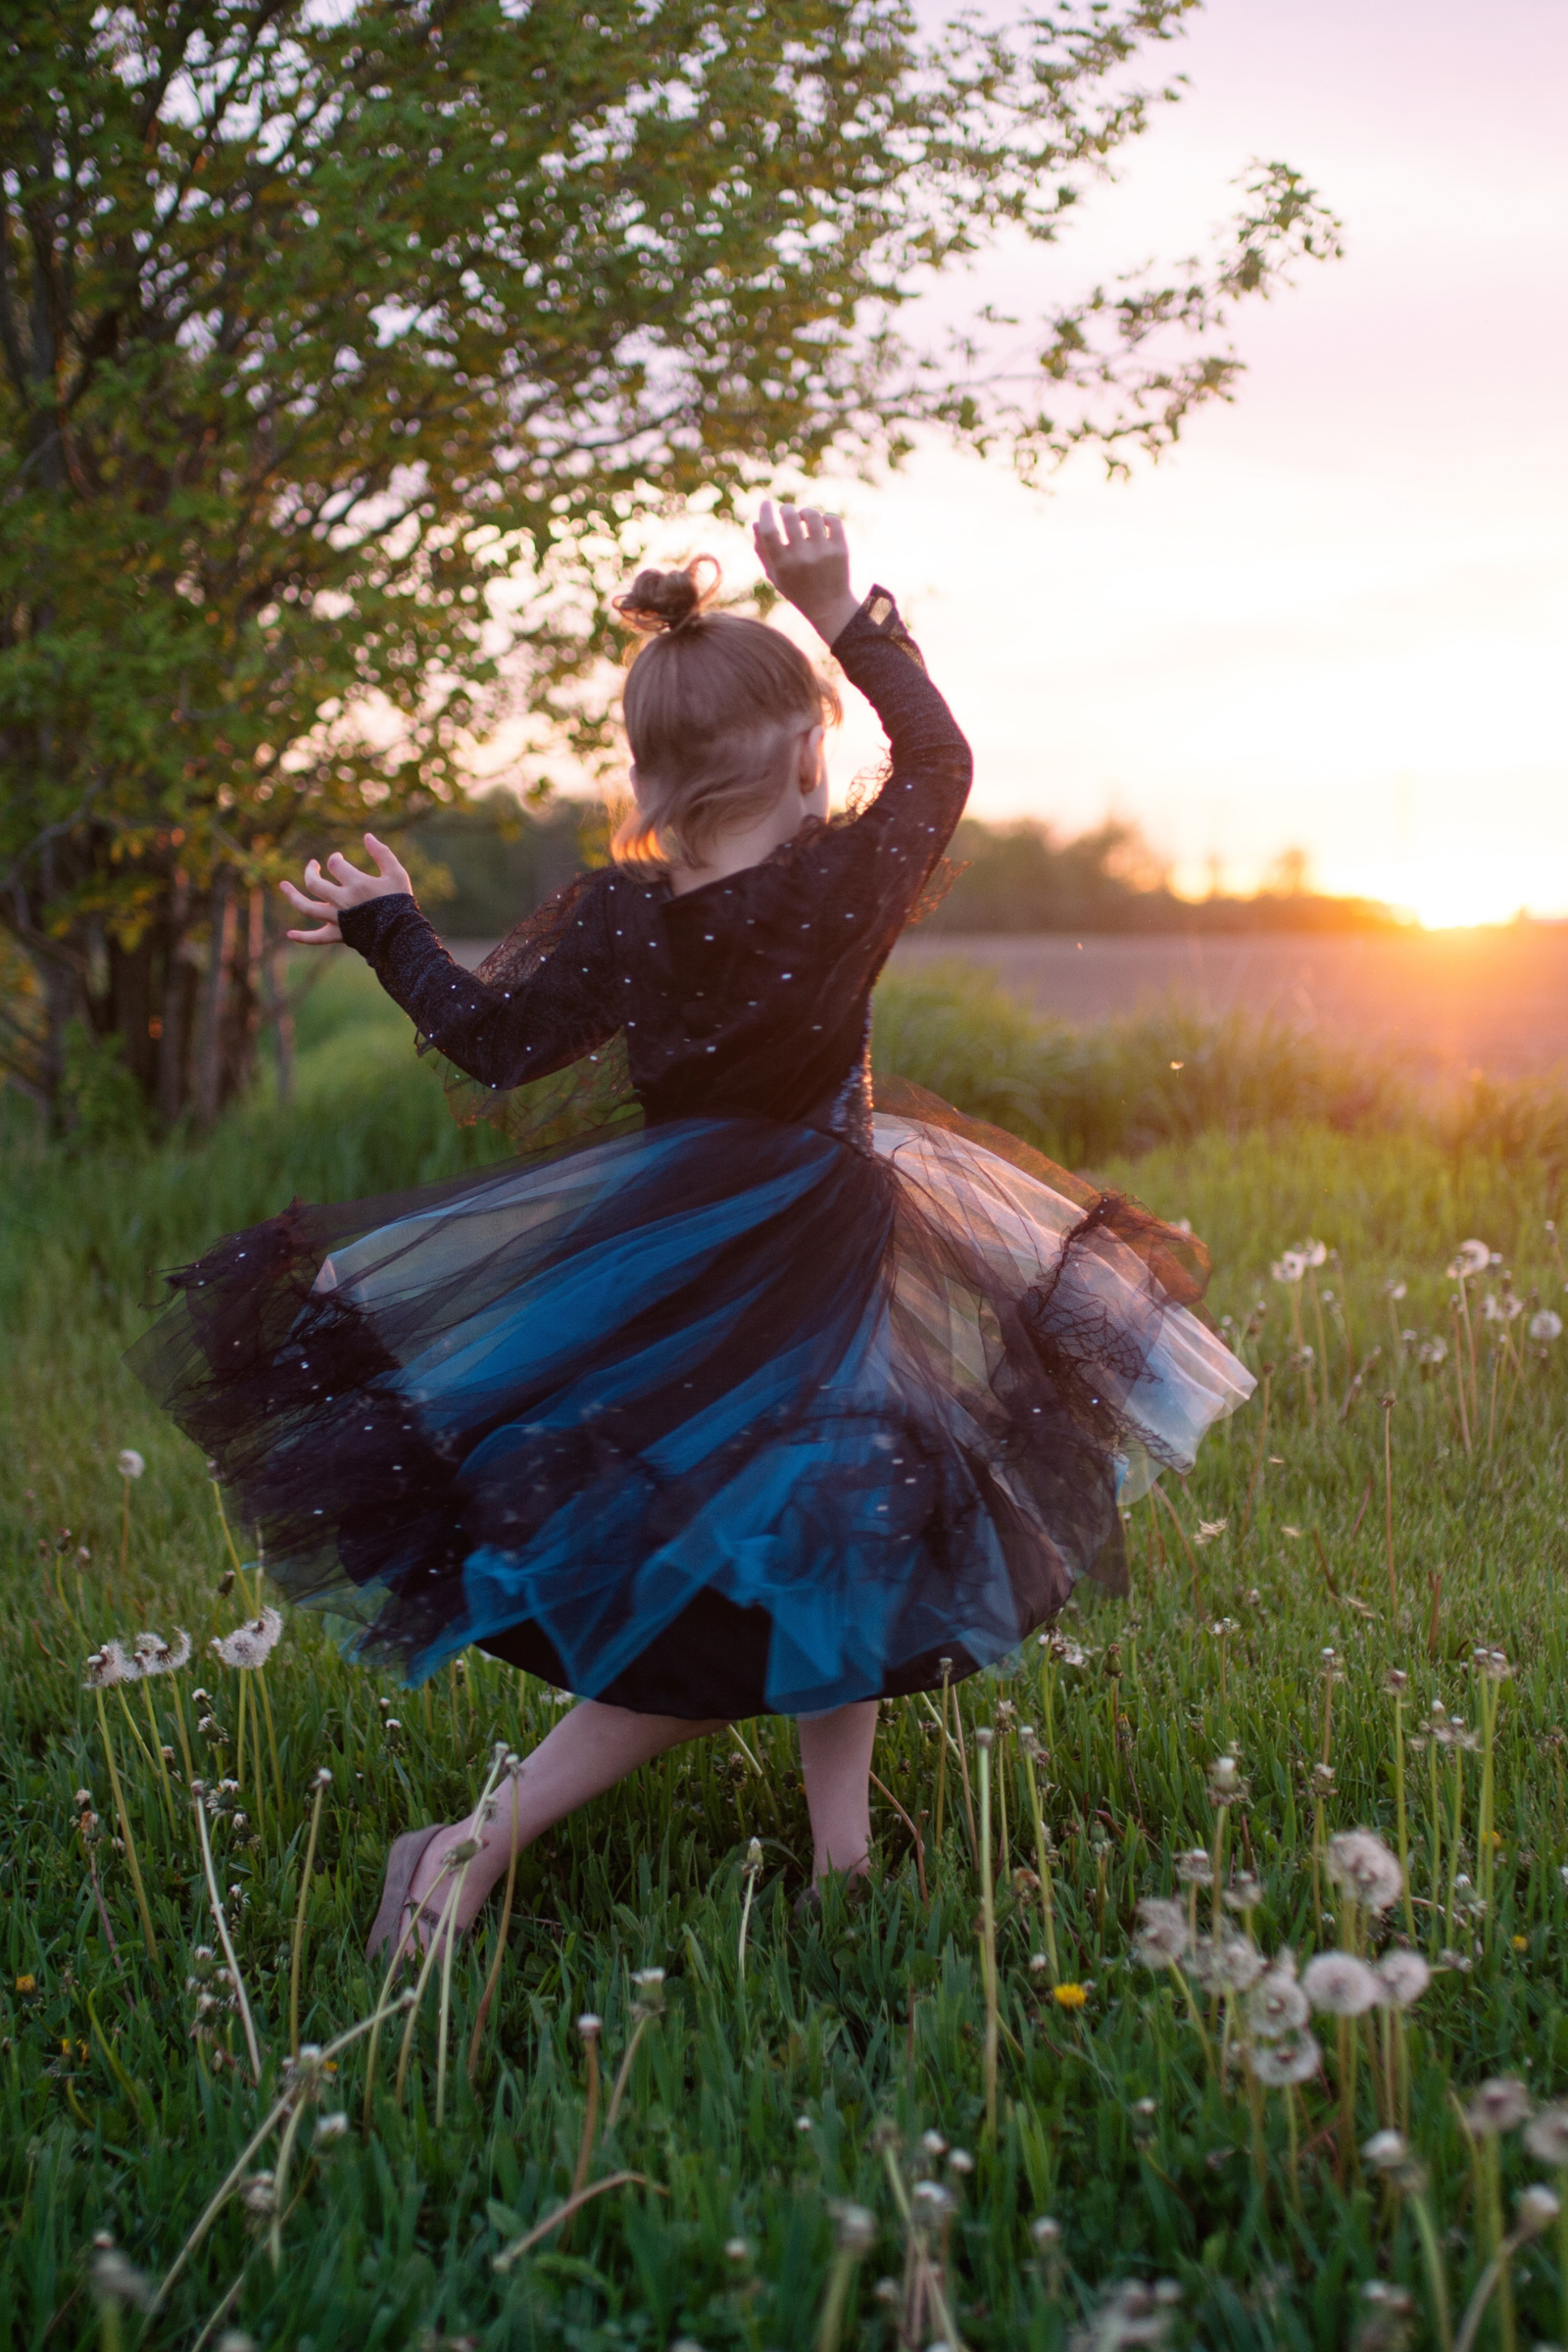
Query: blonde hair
point(712, 704)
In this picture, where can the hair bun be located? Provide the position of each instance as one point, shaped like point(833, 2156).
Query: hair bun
point(660, 601)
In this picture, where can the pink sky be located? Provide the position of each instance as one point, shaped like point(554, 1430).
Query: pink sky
point(1335, 617)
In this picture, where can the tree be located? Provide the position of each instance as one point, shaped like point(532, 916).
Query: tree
point(319, 327)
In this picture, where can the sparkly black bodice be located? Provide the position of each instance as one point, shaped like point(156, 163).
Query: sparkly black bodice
point(750, 996)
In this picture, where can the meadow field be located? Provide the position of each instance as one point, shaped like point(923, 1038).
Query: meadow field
point(1211, 1987)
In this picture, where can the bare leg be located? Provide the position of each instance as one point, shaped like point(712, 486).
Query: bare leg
point(582, 1755)
point(836, 1764)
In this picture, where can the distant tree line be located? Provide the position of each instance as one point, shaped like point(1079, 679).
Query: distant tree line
point(484, 865)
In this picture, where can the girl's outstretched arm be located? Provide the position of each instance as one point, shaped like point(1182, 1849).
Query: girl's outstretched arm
point(503, 1037)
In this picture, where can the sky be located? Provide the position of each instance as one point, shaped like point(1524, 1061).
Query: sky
point(1333, 618)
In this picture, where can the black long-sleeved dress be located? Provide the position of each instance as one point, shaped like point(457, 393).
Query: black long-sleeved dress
point(728, 1394)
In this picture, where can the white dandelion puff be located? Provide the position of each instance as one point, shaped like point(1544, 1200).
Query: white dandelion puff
point(1280, 2064)
point(1163, 1937)
point(109, 1666)
point(249, 1646)
point(1472, 1258)
point(1547, 2136)
point(1545, 1326)
point(1403, 1977)
point(1338, 1984)
point(128, 1462)
point(1501, 2104)
point(1362, 1867)
point(154, 1656)
point(1276, 2004)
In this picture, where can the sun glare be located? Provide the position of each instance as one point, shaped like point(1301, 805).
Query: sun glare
point(1446, 893)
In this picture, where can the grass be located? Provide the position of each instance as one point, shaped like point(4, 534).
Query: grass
point(764, 2094)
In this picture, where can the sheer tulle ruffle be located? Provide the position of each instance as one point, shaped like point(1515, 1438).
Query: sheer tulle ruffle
point(705, 1418)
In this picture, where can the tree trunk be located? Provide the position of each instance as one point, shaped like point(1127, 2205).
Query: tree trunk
point(172, 1025)
point(206, 1076)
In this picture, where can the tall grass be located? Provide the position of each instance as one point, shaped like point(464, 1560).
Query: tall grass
point(845, 2065)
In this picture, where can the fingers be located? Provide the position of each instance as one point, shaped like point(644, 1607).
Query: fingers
point(328, 936)
point(388, 864)
point(797, 530)
point(297, 898)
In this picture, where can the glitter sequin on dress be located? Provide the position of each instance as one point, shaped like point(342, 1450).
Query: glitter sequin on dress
point(728, 1391)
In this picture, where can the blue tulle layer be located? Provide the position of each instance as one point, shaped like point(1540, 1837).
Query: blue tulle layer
point(709, 1418)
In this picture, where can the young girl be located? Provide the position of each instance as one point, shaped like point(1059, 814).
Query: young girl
point(728, 1395)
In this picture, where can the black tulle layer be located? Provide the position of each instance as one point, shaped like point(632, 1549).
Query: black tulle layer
point(710, 1418)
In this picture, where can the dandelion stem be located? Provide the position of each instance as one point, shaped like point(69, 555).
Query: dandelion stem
point(1048, 1910)
point(590, 2118)
point(963, 1774)
point(124, 1832)
point(1387, 1506)
point(444, 2017)
point(623, 2074)
point(494, 1978)
point(988, 1933)
point(1437, 2282)
point(942, 1760)
point(1401, 1824)
point(431, 1950)
point(125, 1526)
point(271, 1741)
point(223, 1938)
point(834, 2303)
point(300, 1910)
point(159, 1757)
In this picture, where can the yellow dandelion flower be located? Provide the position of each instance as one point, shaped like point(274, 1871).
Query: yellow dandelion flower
point(29, 1983)
point(1068, 1996)
point(1521, 1944)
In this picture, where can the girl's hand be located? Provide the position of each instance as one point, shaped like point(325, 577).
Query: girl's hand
point(348, 887)
point(807, 557)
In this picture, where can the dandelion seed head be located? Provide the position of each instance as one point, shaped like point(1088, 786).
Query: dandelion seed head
point(1045, 2232)
point(1385, 2150)
point(258, 2194)
point(1232, 1965)
point(113, 2278)
point(110, 1666)
point(249, 1646)
point(1280, 2064)
point(1163, 1937)
point(1394, 1290)
point(1289, 1267)
point(1362, 1867)
point(330, 2128)
point(154, 1656)
point(1276, 2004)
point(1547, 2136)
point(589, 2025)
point(1338, 1984)
point(738, 2251)
point(128, 1462)
point(1403, 1977)
point(1537, 2207)
point(961, 2162)
point(1492, 1665)
point(1195, 1868)
point(1224, 1780)
point(1501, 2104)
point(1395, 1682)
point(1244, 1893)
point(1472, 1258)
point(933, 2143)
point(1545, 1326)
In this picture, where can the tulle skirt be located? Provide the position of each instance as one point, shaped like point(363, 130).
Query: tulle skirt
point(710, 1418)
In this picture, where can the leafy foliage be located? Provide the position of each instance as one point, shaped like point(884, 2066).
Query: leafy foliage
point(341, 352)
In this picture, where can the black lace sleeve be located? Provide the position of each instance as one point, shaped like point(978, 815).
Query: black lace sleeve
point(503, 1028)
point(906, 828)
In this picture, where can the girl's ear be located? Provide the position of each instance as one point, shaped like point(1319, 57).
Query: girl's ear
point(811, 770)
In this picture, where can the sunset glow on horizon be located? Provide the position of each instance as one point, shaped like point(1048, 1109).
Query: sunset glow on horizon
point(1333, 621)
